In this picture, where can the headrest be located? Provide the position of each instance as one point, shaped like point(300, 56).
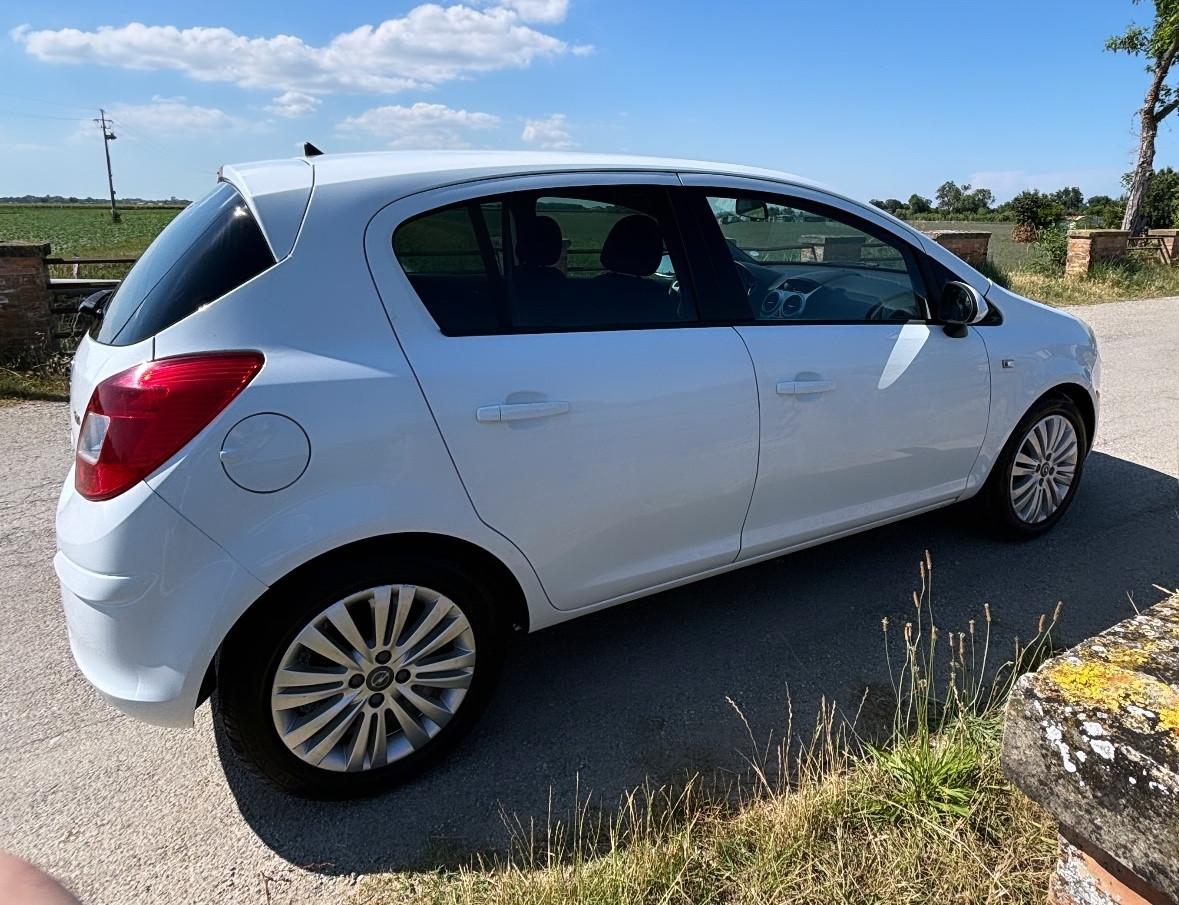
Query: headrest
point(634, 246)
point(540, 241)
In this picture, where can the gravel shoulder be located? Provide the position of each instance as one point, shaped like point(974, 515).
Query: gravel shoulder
point(124, 812)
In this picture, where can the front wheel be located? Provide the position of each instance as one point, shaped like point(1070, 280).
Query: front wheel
point(1035, 478)
point(353, 680)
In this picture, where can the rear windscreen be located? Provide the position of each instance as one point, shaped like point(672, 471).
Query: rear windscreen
point(211, 248)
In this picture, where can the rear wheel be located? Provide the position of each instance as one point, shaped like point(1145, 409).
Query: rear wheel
point(349, 682)
point(1036, 476)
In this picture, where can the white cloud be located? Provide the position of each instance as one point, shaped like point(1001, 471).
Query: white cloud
point(420, 126)
point(428, 45)
point(538, 10)
point(293, 103)
point(170, 116)
point(550, 132)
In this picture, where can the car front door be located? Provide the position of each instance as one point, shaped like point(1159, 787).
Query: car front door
point(869, 410)
point(595, 418)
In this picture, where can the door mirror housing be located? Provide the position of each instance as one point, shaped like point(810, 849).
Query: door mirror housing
point(960, 306)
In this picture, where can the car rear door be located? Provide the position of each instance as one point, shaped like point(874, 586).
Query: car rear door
point(596, 417)
point(869, 410)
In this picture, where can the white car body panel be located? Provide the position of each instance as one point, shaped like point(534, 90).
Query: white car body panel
point(643, 484)
point(644, 479)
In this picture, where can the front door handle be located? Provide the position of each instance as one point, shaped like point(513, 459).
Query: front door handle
point(804, 387)
point(519, 411)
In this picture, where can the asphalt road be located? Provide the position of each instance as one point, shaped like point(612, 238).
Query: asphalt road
point(128, 813)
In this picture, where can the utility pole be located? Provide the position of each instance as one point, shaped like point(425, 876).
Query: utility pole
point(107, 137)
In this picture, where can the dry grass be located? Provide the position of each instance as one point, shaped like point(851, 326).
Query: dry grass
point(1105, 285)
point(926, 817)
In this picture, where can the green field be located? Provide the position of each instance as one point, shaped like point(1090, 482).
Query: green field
point(85, 232)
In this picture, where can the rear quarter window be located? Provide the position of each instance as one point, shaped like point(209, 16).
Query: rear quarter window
point(210, 249)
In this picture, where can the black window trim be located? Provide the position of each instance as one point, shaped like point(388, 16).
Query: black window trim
point(742, 311)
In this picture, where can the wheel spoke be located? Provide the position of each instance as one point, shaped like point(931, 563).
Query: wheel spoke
point(379, 604)
point(305, 731)
point(452, 679)
point(414, 733)
point(430, 619)
point(289, 699)
point(341, 618)
point(1024, 465)
point(361, 743)
point(313, 639)
point(295, 678)
point(325, 745)
point(405, 596)
point(448, 634)
point(438, 714)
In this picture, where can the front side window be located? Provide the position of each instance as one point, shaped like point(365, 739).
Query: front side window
point(805, 265)
point(575, 259)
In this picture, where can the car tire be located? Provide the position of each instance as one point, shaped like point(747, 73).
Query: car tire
point(1010, 496)
point(250, 704)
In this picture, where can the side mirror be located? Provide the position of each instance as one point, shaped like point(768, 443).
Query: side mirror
point(960, 306)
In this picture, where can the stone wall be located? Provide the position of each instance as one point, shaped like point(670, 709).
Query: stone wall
point(1093, 736)
point(1089, 247)
point(26, 319)
point(971, 247)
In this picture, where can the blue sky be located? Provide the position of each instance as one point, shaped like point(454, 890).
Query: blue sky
point(877, 99)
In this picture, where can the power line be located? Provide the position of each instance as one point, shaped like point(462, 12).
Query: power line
point(68, 119)
point(43, 100)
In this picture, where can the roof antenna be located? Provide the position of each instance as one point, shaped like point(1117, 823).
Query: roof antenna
point(310, 150)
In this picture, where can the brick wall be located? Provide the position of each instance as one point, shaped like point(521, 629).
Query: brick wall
point(971, 247)
point(1089, 247)
point(26, 320)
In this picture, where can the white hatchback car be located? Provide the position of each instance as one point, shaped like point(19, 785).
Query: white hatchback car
point(350, 419)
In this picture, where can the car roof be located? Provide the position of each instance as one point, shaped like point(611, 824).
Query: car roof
point(272, 186)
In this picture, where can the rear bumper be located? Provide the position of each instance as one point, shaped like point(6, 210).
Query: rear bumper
point(148, 598)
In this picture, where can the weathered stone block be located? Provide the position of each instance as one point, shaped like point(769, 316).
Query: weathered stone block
point(26, 316)
point(971, 247)
point(1089, 247)
point(832, 248)
point(1093, 736)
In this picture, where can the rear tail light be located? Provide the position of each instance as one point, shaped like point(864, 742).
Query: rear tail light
point(139, 418)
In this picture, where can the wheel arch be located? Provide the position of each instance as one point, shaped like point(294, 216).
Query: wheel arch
point(1080, 397)
point(489, 569)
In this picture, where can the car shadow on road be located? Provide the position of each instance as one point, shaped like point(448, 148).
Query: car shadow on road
point(639, 692)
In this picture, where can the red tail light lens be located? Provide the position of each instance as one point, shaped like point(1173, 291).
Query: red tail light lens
point(139, 418)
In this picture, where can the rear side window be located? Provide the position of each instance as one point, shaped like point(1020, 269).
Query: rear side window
point(595, 258)
point(211, 248)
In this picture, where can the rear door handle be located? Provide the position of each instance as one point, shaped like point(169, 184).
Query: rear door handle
point(519, 411)
point(804, 387)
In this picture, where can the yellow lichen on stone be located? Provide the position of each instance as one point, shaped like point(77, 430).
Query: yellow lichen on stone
point(1111, 687)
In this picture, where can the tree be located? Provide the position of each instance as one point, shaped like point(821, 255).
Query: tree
point(919, 205)
point(1033, 210)
point(1159, 205)
point(1099, 202)
point(1159, 44)
point(1070, 199)
point(949, 196)
point(979, 201)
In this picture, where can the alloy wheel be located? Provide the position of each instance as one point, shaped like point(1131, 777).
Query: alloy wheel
point(1044, 469)
point(373, 678)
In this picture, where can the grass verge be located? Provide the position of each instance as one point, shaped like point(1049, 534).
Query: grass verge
point(17, 385)
point(926, 816)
